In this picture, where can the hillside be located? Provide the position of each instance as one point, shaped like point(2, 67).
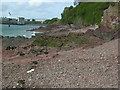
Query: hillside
point(86, 13)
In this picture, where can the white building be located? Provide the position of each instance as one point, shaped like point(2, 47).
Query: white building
point(12, 20)
point(6, 20)
point(21, 20)
point(40, 20)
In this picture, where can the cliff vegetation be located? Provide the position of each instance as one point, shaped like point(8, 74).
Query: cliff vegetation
point(85, 13)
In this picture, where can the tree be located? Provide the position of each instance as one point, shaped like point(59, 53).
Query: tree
point(33, 20)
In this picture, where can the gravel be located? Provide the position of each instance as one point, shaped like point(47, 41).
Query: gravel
point(79, 68)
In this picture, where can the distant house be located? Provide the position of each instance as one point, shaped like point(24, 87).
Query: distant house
point(4, 20)
point(21, 21)
point(13, 20)
point(27, 20)
point(40, 20)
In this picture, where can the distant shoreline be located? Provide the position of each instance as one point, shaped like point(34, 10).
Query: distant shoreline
point(36, 24)
point(27, 24)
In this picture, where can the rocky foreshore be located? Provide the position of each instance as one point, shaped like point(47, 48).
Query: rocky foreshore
point(66, 61)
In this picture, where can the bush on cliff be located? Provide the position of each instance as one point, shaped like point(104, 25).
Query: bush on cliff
point(88, 12)
point(51, 21)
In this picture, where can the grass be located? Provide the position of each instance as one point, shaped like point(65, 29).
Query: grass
point(53, 43)
point(74, 39)
point(72, 36)
point(40, 41)
point(86, 12)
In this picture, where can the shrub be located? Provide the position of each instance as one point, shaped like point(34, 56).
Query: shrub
point(51, 21)
point(89, 12)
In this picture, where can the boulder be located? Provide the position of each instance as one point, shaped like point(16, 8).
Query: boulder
point(11, 48)
point(106, 35)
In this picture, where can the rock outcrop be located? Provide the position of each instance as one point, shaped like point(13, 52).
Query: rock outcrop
point(110, 17)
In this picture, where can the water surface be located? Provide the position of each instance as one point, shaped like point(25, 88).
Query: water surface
point(17, 30)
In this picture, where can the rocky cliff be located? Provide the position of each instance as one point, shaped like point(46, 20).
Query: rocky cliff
point(110, 17)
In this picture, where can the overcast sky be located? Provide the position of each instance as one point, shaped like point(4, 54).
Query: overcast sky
point(35, 8)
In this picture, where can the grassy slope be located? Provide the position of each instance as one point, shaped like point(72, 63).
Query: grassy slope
point(89, 12)
point(71, 39)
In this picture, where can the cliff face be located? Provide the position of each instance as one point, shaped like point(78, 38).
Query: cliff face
point(110, 17)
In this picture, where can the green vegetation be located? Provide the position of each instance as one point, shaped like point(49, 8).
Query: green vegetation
point(51, 21)
point(48, 21)
point(79, 39)
point(34, 22)
point(53, 43)
point(65, 41)
point(42, 41)
point(86, 13)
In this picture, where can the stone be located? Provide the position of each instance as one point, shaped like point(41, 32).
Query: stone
point(11, 48)
point(31, 70)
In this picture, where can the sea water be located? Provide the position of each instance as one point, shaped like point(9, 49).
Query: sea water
point(18, 30)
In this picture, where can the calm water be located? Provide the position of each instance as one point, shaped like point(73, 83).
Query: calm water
point(17, 30)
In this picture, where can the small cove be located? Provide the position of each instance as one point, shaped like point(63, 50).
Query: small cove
point(18, 30)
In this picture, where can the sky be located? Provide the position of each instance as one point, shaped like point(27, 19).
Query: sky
point(38, 9)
